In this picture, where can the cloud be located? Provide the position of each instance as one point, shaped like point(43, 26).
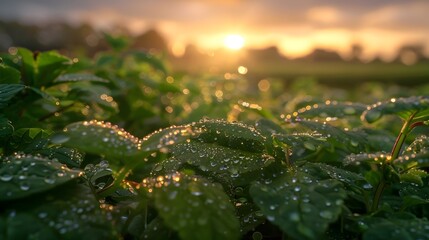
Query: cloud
point(290, 24)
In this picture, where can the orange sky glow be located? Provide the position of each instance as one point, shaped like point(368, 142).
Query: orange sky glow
point(296, 28)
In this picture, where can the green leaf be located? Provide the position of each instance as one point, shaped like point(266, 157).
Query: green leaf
point(413, 200)
point(218, 161)
point(193, 206)
point(167, 136)
point(402, 107)
point(9, 74)
point(98, 137)
point(79, 77)
point(414, 176)
point(118, 43)
point(268, 127)
point(412, 160)
point(49, 66)
point(231, 134)
point(420, 144)
point(329, 109)
point(151, 59)
point(70, 157)
point(156, 230)
point(28, 65)
point(351, 140)
point(342, 175)
point(302, 206)
point(357, 159)
point(6, 129)
point(396, 228)
point(70, 213)
point(7, 92)
point(24, 175)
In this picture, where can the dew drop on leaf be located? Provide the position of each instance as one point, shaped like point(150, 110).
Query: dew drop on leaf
point(294, 217)
point(326, 214)
point(6, 177)
point(257, 236)
point(310, 146)
point(60, 138)
point(24, 187)
point(372, 116)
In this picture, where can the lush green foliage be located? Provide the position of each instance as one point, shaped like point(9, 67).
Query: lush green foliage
point(70, 167)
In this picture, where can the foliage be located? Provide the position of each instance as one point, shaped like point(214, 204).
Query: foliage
point(218, 167)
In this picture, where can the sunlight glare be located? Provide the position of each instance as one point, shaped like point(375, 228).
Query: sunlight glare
point(234, 41)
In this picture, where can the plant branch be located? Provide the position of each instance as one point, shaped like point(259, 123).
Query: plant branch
point(406, 128)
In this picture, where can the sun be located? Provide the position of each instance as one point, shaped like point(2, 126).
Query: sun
point(234, 41)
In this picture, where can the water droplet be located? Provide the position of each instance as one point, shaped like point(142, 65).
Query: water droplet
point(24, 187)
point(294, 217)
point(326, 214)
point(172, 195)
point(60, 138)
point(310, 146)
point(6, 177)
point(49, 180)
point(202, 220)
point(349, 110)
point(372, 115)
point(257, 236)
point(354, 143)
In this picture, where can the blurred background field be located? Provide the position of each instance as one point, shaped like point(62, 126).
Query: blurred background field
point(342, 44)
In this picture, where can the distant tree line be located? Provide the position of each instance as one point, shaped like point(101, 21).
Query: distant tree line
point(87, 40)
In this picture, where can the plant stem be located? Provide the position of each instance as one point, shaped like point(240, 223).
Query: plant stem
point(394, 154)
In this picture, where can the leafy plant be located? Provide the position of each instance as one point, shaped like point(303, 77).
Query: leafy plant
point(325, 170)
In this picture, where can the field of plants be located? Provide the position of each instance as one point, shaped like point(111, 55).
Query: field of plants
point(119, 147)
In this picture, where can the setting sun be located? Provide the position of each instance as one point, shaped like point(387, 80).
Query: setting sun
point(234, 41)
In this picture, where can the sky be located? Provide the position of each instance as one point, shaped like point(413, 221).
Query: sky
point(296, 27)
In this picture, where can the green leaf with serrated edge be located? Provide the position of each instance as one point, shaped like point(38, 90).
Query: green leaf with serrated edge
point(193, 206)
point(299, 204)
point(7, 92)
point(414, 176)
point(331, 109)
point(68, 213)
point(402, 107)
point(98, 137)
point(9, 75)
point(168, 136)
point(412, 160)
point(220, 161)
point(357, 159)
point(79, 77)
point(49, 66)
point(68, 156)
point(342, 175)
point(412, 189)
point(300, 143)
point(28, 66)
point(351, 140)
point(6, 129)
point(25, 175)
point(268, 127)
point(234, 135)
point(420, 144)
point(395, 228)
